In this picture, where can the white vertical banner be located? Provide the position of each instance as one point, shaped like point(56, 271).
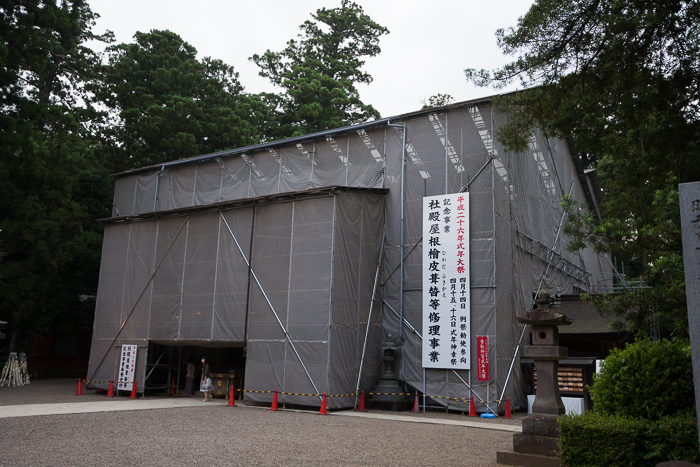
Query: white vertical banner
point(127, 368)
point(446, 304)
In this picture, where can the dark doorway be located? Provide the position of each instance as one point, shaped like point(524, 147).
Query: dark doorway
point(167, 365)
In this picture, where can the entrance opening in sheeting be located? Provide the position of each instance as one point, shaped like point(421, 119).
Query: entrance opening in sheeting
point(166, 368)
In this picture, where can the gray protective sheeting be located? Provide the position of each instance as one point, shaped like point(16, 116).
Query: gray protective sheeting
point(172, 272)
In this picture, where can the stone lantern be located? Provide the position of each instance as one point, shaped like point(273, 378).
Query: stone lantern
point(388, 390)
point(537, 444)
point(545, 351)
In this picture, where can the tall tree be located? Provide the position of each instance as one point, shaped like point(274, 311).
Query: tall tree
point(52, 185)
point(166, 104)
point(623, 78)
point(319, 71)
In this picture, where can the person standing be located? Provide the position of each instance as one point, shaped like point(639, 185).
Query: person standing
point(189, 377)
point(206, 385)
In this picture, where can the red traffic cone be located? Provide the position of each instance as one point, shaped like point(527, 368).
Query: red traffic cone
point(133, 390)
point(110, 392)
point(80, 389)
point(416, 407)
point(232, 398)
point(274, 402)
point(323, 406)
point(508, 415)
point(472, 408)
point(361, 407)
point(172, 387)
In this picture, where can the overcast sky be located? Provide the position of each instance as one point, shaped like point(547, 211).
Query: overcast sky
point(428, 47)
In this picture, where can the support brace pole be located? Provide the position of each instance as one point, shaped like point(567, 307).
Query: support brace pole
point(369, 318)
point(402, 213)
point(289, 339)
point(150, 279)
point(539, 287)
point(408, 325)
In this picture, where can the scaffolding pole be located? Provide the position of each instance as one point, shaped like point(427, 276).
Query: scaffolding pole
point(369, 318)
point(539, 287)
point(272, 308)
point(150, 279)
point(411, 328)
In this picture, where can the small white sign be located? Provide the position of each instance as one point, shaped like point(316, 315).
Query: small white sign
point(127, 368)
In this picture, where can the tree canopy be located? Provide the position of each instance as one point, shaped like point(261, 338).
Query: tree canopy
point(70, 116)
point(165, 104)
point(623, 78)
point(318, 72)
point(52, 186)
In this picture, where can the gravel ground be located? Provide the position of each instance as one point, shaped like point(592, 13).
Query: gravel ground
point(213, 435)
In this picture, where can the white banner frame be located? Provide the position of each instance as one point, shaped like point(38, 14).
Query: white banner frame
point(127, 368)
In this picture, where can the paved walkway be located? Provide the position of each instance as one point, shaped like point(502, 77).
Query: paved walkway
point(122, 404)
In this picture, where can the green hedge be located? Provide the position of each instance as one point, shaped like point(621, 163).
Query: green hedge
point(595, 439)
point(647, 379)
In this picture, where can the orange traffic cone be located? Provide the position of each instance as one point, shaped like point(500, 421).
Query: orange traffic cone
point(274, 402)
point(416, 407)
point(361, 407)
point(172, 387)
point(323, 406)
point(472, 408)
point(232, 398)
point(508, 415)
point(133, 390)
point(110, 392)
point(80, 389)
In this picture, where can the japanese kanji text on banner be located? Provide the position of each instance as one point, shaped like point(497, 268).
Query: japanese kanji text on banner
point(127, 368)
point(482, 358)
point(446, 316)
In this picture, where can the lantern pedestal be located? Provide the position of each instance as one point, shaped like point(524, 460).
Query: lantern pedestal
point(537, 445)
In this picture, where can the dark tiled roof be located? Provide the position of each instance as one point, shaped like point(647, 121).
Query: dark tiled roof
point(586, 320)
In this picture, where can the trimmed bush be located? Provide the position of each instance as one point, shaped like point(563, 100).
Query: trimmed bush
point(673, 438)
point(646, 379)
point(595, 439)
point(644, 410)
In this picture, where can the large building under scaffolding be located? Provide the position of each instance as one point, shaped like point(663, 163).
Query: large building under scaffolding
point(292, 262)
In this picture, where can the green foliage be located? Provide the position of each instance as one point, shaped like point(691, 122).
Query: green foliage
point(166, 104)
point(595, 439)
point(646, 379)
point(623, 78)
point(652, 252)
point(318, 72)
point(644, 410)
point(52, 184)
point(68, 118)
point(438, 100)
point(44, 61)
point(51, 197)
point(673, 438)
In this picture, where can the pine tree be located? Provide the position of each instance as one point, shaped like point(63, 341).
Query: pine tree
point(318, 72)
point(623, 78)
